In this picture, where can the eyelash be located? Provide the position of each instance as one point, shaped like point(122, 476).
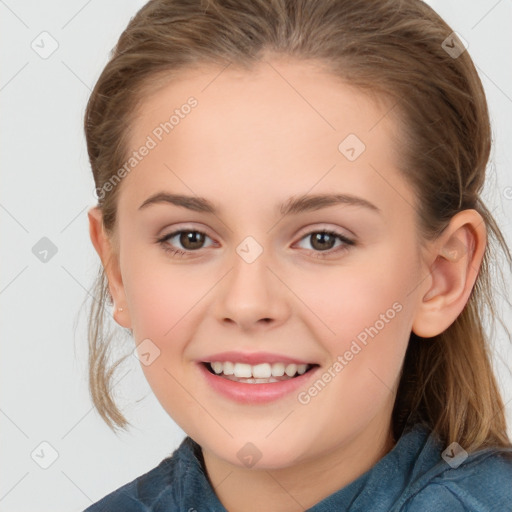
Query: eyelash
point(319, 254)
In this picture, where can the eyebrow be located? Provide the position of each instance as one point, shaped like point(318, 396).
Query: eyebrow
point(301, 204)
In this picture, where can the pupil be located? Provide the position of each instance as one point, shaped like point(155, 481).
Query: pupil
point(320, 237)
point(191, 240)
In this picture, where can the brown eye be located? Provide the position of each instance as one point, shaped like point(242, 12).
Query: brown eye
point(191, 240)
point(183, 242)
point(322, 241)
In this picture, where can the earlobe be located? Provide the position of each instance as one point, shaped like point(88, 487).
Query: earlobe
point(104, 247)
point(456, 256)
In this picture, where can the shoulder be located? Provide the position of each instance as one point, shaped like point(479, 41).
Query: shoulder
point(482, 483)
point(160, 485)
point(124, 498)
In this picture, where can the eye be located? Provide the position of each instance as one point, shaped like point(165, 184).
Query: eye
point(190, 239)
point(324, 240)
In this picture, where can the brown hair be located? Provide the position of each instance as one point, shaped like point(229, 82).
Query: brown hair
point(391, 48)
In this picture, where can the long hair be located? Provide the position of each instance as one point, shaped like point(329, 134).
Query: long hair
point(399, 49)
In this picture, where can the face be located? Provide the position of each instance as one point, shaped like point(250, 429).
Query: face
point(254, 269)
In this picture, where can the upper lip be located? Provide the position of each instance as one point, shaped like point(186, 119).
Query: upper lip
point(253, 358)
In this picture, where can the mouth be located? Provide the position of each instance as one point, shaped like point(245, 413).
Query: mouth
point(260, 373)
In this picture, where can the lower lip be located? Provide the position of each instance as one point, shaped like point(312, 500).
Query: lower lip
point(255, 393)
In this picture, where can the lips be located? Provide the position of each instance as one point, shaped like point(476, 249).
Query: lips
point(257, 377)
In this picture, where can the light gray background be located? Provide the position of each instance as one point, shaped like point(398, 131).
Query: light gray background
point(46, 192)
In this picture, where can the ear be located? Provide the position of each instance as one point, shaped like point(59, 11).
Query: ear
point(104, 246)
point(455, 259)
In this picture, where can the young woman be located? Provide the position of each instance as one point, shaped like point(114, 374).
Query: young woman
point(290, 224)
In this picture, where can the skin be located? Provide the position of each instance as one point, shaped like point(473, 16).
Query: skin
point(250, 144)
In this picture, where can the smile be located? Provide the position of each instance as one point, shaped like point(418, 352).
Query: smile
point(253, 381)
point(262, 373)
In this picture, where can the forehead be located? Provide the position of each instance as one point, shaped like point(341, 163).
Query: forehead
point(282, 127)
point(301, 90)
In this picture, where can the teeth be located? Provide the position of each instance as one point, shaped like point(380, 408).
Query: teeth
point(258, 371)
point(217, 367)
point(242, 370)
point(277, 369)
point(291, 370)
point(229, 368)
point(301, 368)
point(261, 371)
point(253, 381)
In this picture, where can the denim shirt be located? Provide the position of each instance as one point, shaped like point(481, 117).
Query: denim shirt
point(417, 475)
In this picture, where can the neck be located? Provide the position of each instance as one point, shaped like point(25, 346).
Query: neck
point(302, 485)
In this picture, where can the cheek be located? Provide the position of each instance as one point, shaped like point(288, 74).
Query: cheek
point(379, 324)
point(366, 315)
point(160, 294)
point(348, 298)
point(162, 302)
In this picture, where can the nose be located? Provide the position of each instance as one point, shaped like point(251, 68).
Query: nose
point(252, 296)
